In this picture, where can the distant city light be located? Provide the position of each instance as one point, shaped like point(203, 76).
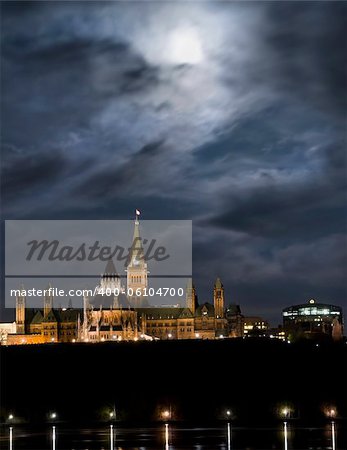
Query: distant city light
point(166, 414)
point(228, 412)
point(197, 335)
point(111, 414)
point(53, 415)
point(10, 417)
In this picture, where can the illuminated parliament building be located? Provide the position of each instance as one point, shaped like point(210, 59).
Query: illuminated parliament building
point(127, 318)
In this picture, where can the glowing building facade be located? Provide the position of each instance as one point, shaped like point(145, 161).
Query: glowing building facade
point(313, 319)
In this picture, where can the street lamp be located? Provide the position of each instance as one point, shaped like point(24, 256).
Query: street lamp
point(332, 413)
point(166, 414)
point(52, 417)
point(169, 335)
point(10, 419)
point(285, 412)
point(112, 414)
point(228, 415)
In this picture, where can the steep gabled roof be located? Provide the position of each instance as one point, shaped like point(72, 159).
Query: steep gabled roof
point(233, 310)
point(67, 315)
point(218, 284)
point(185, 313)
point(206, 309)
point(50, 317)
point(110, 268)
point(37, 319)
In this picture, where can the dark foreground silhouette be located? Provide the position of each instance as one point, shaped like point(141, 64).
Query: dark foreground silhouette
point(195, 380)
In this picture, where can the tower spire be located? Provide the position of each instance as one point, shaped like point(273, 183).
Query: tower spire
point(136, 251)
point(136, 266)
point(218, 298)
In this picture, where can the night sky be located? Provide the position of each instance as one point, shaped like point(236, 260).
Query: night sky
point(229, 114)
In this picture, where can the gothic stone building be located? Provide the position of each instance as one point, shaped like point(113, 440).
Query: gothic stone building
point(40, 326)
point(128, 318)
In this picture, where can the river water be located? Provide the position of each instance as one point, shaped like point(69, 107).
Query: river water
point(175, 437)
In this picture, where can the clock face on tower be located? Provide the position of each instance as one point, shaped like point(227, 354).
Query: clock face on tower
point(136, 262)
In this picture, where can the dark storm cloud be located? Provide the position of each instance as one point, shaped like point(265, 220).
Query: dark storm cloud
point(308, 42)
point(241, 128)
point(275, 209)
point(21, 172)
point(108, 182)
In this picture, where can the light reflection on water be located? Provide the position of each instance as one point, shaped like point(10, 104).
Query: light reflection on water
point(174, 437)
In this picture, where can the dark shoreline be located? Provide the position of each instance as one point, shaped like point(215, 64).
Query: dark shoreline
point(199, 380)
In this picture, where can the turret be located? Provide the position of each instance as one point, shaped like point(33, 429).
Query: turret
point(47, 300)
point(191, 296)
point(218, 299)
point(20, 310)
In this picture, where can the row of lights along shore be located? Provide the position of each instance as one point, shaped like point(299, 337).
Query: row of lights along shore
point(166, 414)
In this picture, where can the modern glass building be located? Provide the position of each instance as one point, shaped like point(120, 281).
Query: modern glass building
point(313, 320)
